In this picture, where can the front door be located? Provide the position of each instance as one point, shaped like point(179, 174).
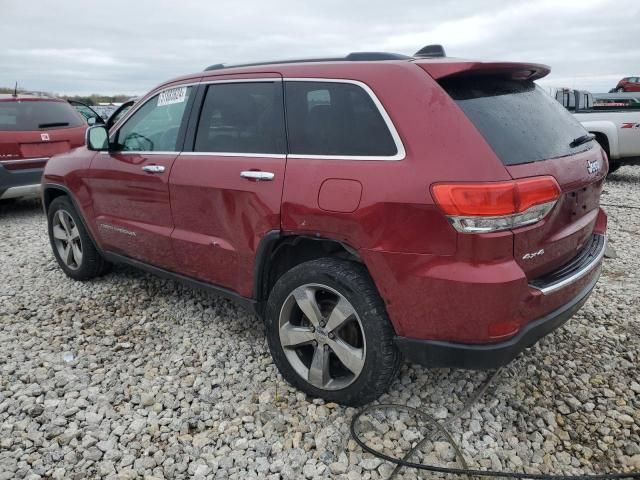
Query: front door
point(226, 192)
point(130, 183)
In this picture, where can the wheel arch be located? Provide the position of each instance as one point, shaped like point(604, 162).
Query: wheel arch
point(278, 253)
point(51, 191)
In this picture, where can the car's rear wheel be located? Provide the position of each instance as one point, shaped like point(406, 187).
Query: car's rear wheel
point(329, 334)
point(72, 246)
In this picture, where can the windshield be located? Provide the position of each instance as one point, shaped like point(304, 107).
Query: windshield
point(517, 118)
point(37, 115)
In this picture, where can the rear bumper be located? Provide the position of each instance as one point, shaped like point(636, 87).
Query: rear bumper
point(488, 356)
point(19, 183)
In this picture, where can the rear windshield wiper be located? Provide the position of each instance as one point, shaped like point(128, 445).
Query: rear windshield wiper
point(576, 142)
point(54, 124)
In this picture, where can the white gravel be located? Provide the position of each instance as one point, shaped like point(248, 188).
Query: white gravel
point(131, 376)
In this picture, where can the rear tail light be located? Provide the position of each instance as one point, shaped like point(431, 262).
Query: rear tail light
point(495, 206)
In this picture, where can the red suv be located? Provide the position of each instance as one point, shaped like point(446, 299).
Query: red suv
point(628, 84)
point(367, 208)
point(32, 129)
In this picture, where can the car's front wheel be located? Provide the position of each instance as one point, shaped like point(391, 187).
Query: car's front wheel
point(72, 246)
point(329, 333)
point(620, 89)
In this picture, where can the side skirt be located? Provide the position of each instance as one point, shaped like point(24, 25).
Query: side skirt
point(247, 303)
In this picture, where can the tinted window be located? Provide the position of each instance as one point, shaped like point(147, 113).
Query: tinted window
point(242, 118)
point(519, 121)
point(154, 127)
point(37, 115)
point(327, 118)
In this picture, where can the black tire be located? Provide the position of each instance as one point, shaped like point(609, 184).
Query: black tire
point(352, 281)
point(620, 90)
point(613, 166)
point(92, 264)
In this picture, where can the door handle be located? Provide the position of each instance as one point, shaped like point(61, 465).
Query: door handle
point(258, 176)
point(153, 168)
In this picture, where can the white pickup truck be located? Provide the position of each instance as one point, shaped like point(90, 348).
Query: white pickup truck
point(614, 118)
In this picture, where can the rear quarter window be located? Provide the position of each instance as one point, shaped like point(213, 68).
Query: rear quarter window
point(30, 115)
point(520, 122)
point(335, 119)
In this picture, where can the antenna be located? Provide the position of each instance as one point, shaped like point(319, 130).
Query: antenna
point(430, 51)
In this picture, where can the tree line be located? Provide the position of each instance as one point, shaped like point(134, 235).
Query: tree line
point(93, 99)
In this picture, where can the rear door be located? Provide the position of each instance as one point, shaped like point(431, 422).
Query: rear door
point(533, 135)
point(130, 184)
point(226, 192)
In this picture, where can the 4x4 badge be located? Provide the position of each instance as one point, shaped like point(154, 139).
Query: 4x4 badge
point(593, 166)
point(529, 256)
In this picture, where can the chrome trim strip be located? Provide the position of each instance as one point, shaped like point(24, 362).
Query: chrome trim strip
point(22, 160)
point(22, 191)
point(142, 152)
point(234, 154)
point(401, 152)
point(577, 275)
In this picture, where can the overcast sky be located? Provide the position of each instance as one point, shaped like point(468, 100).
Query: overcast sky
point(119, 46)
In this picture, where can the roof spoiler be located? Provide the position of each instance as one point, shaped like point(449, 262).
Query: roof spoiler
point(517, 71)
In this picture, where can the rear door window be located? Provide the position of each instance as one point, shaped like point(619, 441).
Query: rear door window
point(335, 119)
point(32, 115)
point(517, 118)
point(242, 118)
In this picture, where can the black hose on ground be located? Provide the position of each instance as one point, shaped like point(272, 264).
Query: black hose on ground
point(441, 428)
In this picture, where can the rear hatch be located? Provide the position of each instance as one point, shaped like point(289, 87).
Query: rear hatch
point(32, 130)
point(534, 136)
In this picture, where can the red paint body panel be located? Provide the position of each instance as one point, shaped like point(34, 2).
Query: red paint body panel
point(570, 225)
point(131, 208)
point(445, 67)
point(220, 217)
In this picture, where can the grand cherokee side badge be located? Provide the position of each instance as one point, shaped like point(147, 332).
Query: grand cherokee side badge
point(529, 256)
point(593, 166)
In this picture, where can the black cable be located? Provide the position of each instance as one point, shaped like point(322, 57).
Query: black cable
point(441, 427)
point(632, 207)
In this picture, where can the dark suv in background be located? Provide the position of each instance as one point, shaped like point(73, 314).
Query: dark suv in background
point(368, 207)
point(32, 129)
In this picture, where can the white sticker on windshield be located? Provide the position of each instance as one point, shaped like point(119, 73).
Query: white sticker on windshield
point(174, 95)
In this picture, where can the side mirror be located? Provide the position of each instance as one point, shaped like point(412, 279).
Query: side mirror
point(97, 138)
point(91, 121)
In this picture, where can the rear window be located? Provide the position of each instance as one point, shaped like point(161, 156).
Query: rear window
point(517, 118)
point(37, 115)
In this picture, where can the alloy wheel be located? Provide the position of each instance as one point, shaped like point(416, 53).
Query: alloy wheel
point(322, 336)
point(66, 237)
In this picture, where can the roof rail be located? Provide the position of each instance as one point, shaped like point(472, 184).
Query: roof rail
point(352, 57)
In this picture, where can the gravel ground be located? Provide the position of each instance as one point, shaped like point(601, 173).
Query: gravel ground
point(131, 376)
